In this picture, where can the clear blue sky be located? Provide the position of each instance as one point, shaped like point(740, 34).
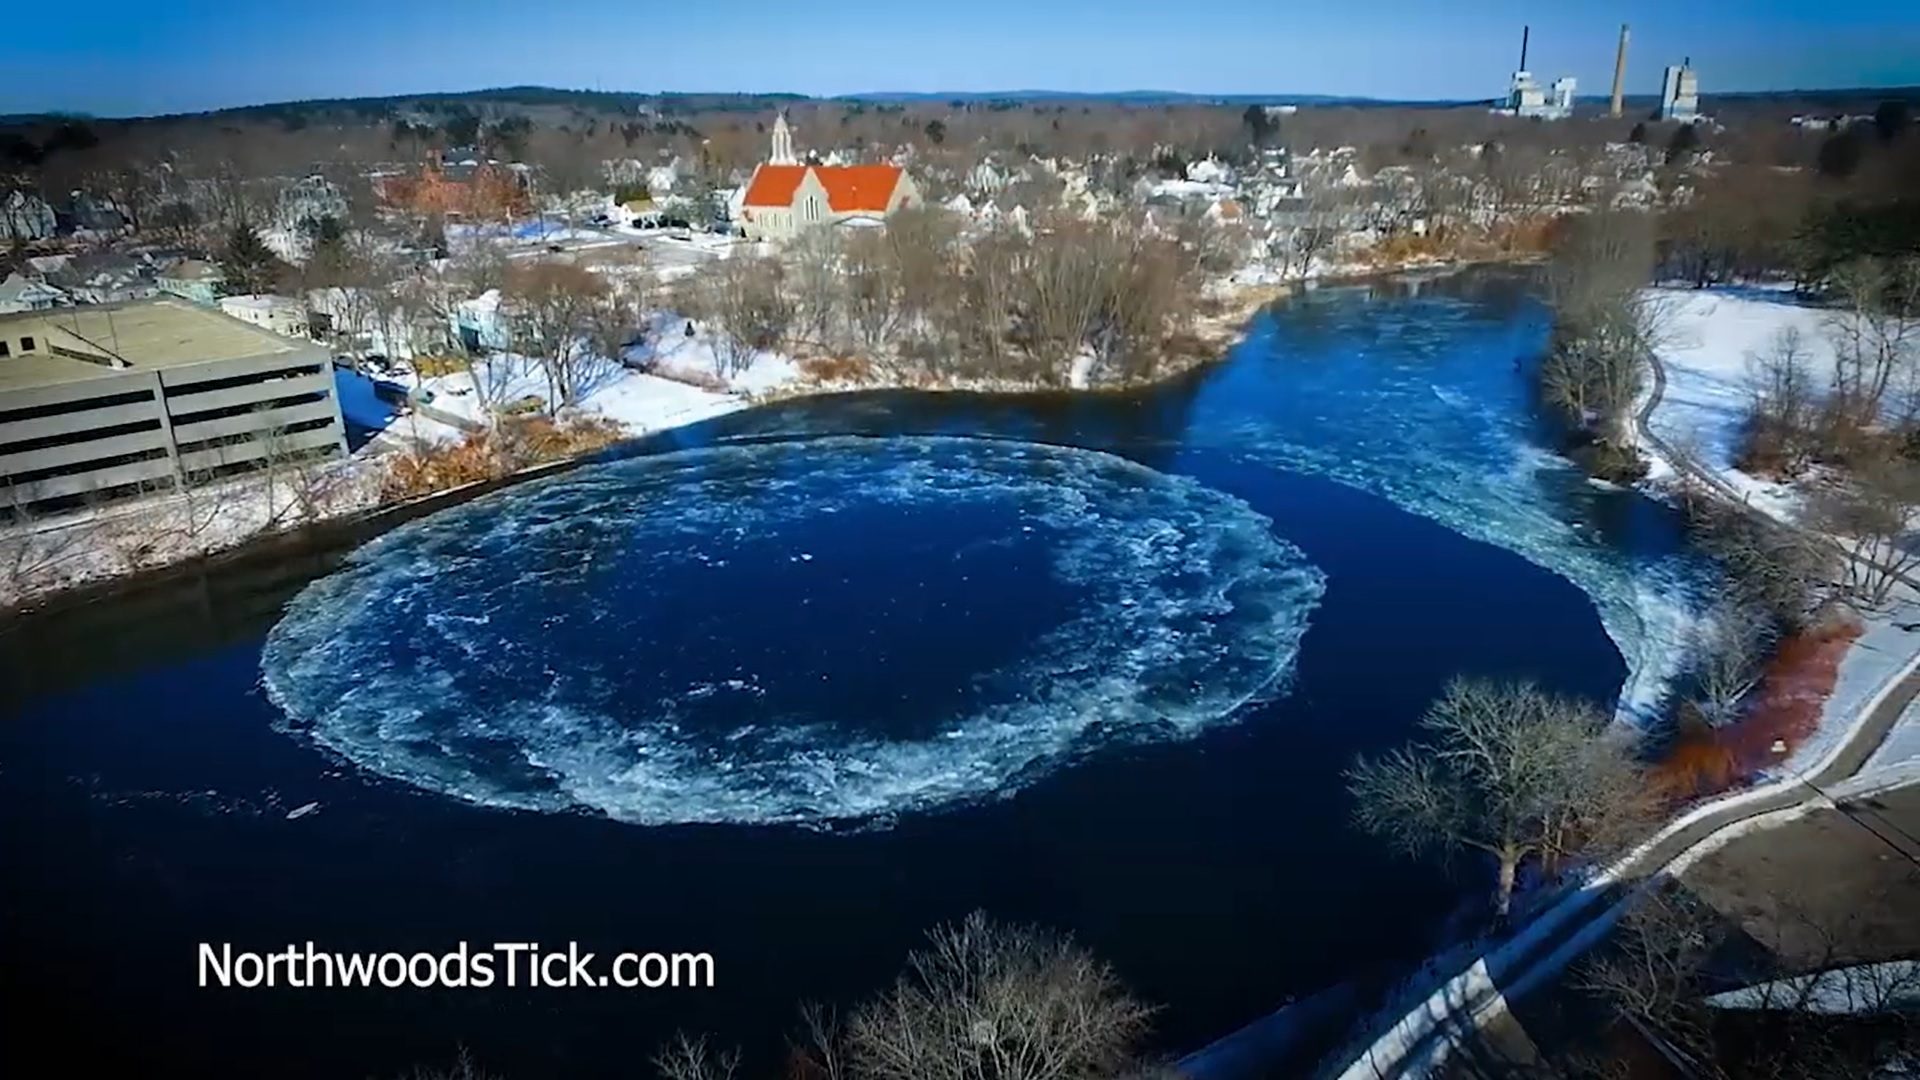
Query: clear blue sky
point(121, 57)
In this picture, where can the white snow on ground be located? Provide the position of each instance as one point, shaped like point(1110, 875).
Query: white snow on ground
point(672, 351)
point(641, 402)
point(142, 534)
point(1709, 337)
point(647, 403)
point(1874, 658)
point(1902, 745)
point(363, 407)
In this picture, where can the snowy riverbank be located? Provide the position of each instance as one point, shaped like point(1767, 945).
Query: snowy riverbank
point(680, 386)
point(1710, 339)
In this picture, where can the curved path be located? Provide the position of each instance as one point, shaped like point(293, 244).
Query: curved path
point(1422, 1039)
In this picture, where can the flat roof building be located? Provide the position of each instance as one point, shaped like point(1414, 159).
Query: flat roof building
point(117, 399)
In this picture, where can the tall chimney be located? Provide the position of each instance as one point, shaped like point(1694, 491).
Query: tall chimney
point(1620, 73)
point(1525, 32)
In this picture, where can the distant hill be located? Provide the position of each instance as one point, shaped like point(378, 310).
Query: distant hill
point(678, 102)
point(1134, 97)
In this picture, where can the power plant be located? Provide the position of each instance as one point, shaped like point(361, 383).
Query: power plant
point(1527, 98)
point(1679, 89)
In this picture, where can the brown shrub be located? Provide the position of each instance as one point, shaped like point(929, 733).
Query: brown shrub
point(1786, 707)
point(498, 452)
point(434, 367)
point(837, 369)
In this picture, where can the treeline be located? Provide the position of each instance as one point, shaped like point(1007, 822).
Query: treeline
point(1748, 218)
point(1065, 301)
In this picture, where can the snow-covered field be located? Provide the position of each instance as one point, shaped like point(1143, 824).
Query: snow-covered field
point(1709, 339)
point(669, 346)
point(642, 403)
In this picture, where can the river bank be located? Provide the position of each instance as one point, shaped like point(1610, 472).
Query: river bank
point(44, 558)
point(41, 559)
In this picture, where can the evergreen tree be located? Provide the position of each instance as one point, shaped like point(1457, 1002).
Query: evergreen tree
point(1840, 155)
point(1892, 119)
point(249, 265)
point(1261, 128)
point(1684, 144)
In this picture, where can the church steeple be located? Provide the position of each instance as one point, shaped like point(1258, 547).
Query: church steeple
point(783, 142)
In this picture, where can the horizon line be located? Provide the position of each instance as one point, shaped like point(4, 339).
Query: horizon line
point(1278, 97)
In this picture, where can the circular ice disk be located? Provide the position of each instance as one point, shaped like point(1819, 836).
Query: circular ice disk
point(823, 632)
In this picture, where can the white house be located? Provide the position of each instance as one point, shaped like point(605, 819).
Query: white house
point(279, 314)
point(20, 293)
point(191, 279)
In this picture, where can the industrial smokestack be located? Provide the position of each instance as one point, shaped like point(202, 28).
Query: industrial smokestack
point(1525, 32)
point(1620, 73)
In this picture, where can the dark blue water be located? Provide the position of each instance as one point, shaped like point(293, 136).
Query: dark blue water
point(145, 776)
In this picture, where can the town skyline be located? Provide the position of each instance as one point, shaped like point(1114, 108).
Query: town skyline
point(229, 55)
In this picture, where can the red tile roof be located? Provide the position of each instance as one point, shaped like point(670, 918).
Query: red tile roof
point(851, 189)
point(855, 189)
point(774, 185)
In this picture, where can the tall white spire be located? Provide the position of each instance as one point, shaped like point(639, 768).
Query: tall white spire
point(783, 142)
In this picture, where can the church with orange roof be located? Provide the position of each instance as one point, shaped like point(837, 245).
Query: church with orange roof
point(786, 197)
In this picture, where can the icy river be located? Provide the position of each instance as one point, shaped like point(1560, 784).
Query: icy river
point(790, 686)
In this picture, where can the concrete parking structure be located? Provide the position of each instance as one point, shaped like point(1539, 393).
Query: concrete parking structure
point(117, 399)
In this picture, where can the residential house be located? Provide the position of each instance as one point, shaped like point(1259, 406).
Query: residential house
point(478, 325)
point(25, 217)
point(478, 190)
point(21, 293)
point(103, 277)
point(192, 279)
point(280, 314)
point(307, 201)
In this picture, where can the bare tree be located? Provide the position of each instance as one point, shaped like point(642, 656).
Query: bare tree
point(1783, 410)
point(1605, 327)
point(816, 283)
point(1875, 333)
point(1508, 770)
point(1658, 974)
point(1780, 572)
point(464, 1068)
point(991, 1002)
point(34, 551)
point(1729, 650)
point(569, 321)
point(1871, 517)
point(691, 1058)
point(745, 306)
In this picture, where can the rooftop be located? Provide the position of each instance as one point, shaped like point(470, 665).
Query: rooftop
point(144, 334)
point(850, 188)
